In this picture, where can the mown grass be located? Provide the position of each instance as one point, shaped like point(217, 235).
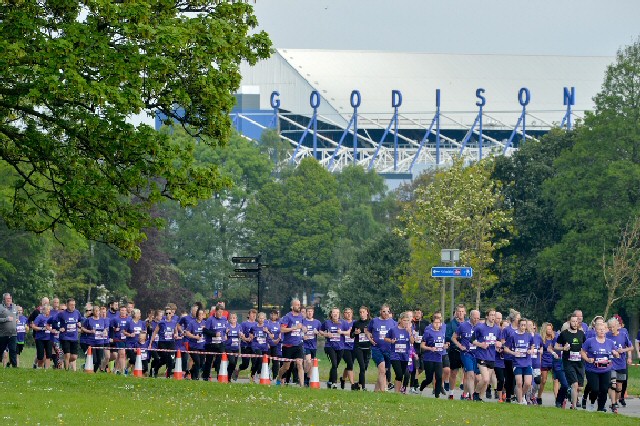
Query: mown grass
point(324, 365)
point(54, 397)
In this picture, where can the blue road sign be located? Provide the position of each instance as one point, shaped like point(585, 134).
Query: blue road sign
point(451, 272)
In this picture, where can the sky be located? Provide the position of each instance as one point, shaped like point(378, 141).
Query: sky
point(535, 27)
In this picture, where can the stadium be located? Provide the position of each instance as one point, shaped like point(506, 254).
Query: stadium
point(401, 113)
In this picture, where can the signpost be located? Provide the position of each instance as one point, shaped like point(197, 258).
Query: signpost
point(254, 272)
point(451, 272)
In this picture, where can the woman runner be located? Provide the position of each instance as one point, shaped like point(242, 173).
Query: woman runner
point(362, 345)
point(400, 338)
point(332, 330)
point(347, 348)
point(519, 345)
point(433, 348)
point(196, 343)
point(597, 353)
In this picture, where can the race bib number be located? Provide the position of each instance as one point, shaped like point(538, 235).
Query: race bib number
point(472, 348)
point(71, 327)
point(200, 339)
point(602, 362)
point(348, 339)
point(143, 355)
point(401, 348)
point(216, 339)
point(574, 356)
point(261, 340)
point(296, 333)
point(234, 341)
point(363, 337)
point(168, 335)
point(521, 352)
point(20, 329)
point(417, 338)
point(335, 337)
point(439, 345)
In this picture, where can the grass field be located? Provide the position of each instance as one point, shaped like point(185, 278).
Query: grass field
point(633, 387)
point(56, 397)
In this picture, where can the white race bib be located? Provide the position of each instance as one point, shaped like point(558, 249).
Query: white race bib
point(521, 352)
point(439, 345)
point(574, 356)
point(71, 327)
point(401, 348)
point(348, 339)
point(363, 337)
point(261, 340)
point(335, 337)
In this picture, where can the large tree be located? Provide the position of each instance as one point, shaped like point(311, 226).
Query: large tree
point(596, 189)
point(72, 73)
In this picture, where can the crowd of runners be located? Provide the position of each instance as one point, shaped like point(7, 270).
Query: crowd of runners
point(504, 358)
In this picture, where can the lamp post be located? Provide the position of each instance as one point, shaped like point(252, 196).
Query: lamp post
point(449, 256)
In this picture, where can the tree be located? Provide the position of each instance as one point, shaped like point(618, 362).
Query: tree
point(296, 222)
point(462, 208)
point(621, 270)
point(71, 73)
point(201, 240)
point(596, 190)
point(376, 276)
point(522, 282)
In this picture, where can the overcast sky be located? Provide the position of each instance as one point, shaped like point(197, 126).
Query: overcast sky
point(549, 27)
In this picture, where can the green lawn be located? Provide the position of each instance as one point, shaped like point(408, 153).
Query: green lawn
point(58, 397)
point(633, 387)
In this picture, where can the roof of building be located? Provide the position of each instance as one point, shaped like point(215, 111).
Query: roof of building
point(335, 73)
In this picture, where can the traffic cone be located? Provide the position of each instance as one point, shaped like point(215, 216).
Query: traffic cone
point(223, 376)
point(314, 382)
point(88, 364)
point(177, 371)
point(264, 373)
point(137, 369)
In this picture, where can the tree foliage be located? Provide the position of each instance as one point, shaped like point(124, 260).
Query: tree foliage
point(71, 73)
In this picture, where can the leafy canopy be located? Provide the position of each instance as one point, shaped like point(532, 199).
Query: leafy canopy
point(72, 72)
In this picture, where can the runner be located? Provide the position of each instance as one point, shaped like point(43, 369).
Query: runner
point(143, 344)
point(419, 324)
point(84, 337)
point(22, 328)
point(119, 326)
point(232, 344)
point(310, 341)
point(597, 352)
point(42, 328)
point(535, 396)
point(32, 317)
point(292, 330)
point(570, 342)
point(486, 338)
point(619, 366)
point(94, 328)
point(362, 345)
point(195, 334)
point(274, 337)
point(332, 330)
point(258, 336)
point(380, 349)
point(347, 349)
point(433, 348)
point(450, 372)
point(591, 332)
point(167, 330)
point(547, 337)
point(215, 336)
point(69, 322)
point(520, 345)
point(462, 339)
point(499, 367)
point(509, 378)
point(156, 361)
point(245, 343)
point(400, 339)
point(136, 326)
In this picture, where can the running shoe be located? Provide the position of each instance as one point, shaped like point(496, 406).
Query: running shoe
point(614, 408)
point(390, 386)
point(622, 402)
point(451, 397)
point(414, 391)
point(496, 395)
point(539, 401)
point(558, 405)
point(403, 390)
point(487, 394)
point(329, 385)
point(278, 382)
point(341, 383)
point(355, 387)
point(592, 407)
point(234, 375)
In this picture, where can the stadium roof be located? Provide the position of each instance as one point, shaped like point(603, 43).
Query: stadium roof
point(335, 73)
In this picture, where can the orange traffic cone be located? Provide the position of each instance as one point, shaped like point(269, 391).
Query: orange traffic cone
point(223, 376)
point(137, 369)
point(88, 363)
point(264, 373)
point(177, 371)
point(314, 382)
